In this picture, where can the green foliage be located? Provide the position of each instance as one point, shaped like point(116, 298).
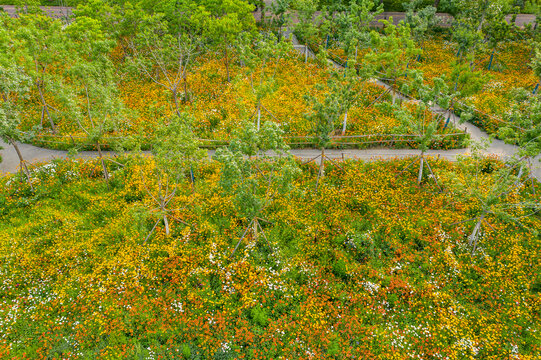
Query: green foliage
point(305, 26)
point(254, 184)
point(420, 19)
point(176, 149)
point(257, 52)
point(259, 316)
point(280, 15)
point(396, 49)
point(164, 56)
point(352, 25)
point(326, 113)
point(222, 22)
point(13, 83)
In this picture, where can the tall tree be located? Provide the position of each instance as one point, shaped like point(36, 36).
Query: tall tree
point(306, 27)
point(176, 152)
point(324, 116)
point(222, 22)
point(280, 15)
point(261, 54)
point(421, 20)
point(92, 79)
point(353, 25)
point(14, 84)
point(394, 51)
point(523, 128)
point(121, 22)
point(165, 58)
point(421, 121)
point(253, 176)
point(44, 39)
point(498, 197)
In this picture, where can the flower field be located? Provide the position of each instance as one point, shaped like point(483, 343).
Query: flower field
point(492, 102)
point(371, 266)
point(491, 95)
point(219, 107)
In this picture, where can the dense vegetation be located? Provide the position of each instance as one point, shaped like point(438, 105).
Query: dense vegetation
point(490, 67)
point(253, 253)
point(66, 96)
point(522, 6)
point(377, 268)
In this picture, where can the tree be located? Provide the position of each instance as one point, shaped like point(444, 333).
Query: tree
point(395, 51)
point(257, 53)
point(176, 151)
point(420, 20)
point(222, 22)
point(476, 23)
point(119, 22)
point(353, 25)
point(253, 176)
point(305, 28)
point(421, 122)
point(164, 58)
point(280, 15)
point(323, 118)
point(496, 32)
point(13, 84)
point(44, 40)
point(523, 128)
point(501, 199)
point(14, 89)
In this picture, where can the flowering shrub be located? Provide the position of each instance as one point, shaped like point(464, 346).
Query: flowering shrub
point(372, 266)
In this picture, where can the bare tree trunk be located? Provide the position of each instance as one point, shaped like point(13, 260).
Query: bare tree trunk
point(226, 59)
point(258, 115)
point(321, 172)
point(166, 223)
point(186, 96)
point(45, 107)
point(24, 168)
point(256, 235)
point(105, 173)
point(345, 123)
point(175, 98)
point(420, 177)
point(322, 163)
point(43, 114)
point(475, 233)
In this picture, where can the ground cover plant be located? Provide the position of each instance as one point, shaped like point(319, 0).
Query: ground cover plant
point(378, 268)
